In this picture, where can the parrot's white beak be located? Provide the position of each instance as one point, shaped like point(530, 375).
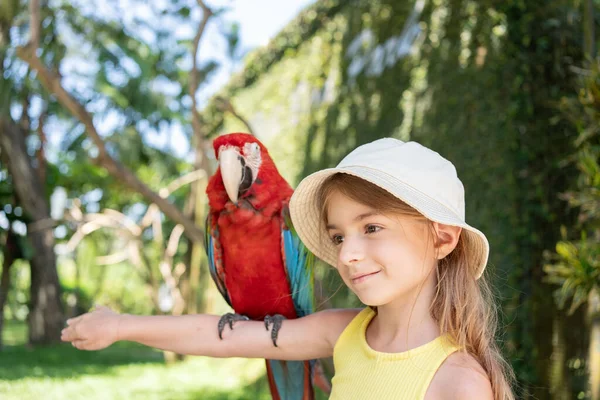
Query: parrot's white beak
point(231, 172)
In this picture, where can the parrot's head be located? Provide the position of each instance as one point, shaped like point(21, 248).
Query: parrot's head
point(241, 158)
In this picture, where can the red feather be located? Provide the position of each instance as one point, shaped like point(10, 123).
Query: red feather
point(249, 244)
point(256, 279)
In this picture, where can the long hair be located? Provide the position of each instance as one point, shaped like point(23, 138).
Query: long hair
point(462, 306)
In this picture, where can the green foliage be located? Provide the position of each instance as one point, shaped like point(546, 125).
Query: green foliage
point(129, 73)
point(576, 269)
point(286, 43)
point(576, 264)
point(17, 303)
point(478, 82)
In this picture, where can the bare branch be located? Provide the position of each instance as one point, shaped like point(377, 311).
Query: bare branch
point(193, 207)
point(152, 211)
point(35, 23)
point(75, 211)
point(114, 219)
point(85, 229)
point(72, 243)
point(114, 258)
point(194, 73)
point(124, 220)
point(157, 229)
point(135, 253)
point(178, 271)
point(42, 224)
point(173, 241)
point(181, 181)
point(226, 106)
point(204, 7)
point(165, 269)
point(42, 167)
point(93, 226)
point(149, 216)
point(88, 223)
point(198, 137)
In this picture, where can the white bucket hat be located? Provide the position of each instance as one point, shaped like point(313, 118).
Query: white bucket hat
point(420, 177)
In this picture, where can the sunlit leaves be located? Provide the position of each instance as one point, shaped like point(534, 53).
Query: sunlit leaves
point(576, 264)
point(576, 269)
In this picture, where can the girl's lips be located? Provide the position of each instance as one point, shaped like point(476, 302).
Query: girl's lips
point(363, 277)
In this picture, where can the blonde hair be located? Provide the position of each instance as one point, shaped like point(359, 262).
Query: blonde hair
point(463, 307)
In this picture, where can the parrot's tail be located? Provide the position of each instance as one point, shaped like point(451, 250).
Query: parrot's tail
point(290, 380)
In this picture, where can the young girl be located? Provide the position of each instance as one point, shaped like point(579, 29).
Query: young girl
point(390, 219)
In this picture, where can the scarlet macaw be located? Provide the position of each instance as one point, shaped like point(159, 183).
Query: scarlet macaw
point(256, 259)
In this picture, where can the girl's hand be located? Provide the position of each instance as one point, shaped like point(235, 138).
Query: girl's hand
point(95, 330)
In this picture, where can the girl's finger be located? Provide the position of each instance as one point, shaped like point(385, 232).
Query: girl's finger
point(65, 335)
point(80, 344)
point(71, 321)
point(69, 334)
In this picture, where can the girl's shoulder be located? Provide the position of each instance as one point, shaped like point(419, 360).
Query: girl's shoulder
point(336, 320)
point(460, 377)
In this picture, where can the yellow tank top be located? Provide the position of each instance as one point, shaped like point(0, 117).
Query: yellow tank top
point(363, 373)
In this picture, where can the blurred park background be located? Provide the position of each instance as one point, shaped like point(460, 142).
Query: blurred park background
point(107, 114)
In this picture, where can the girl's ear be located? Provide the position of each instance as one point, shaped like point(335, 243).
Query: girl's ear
point(447, 237)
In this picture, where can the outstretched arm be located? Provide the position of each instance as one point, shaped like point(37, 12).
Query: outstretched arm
point(310, 337)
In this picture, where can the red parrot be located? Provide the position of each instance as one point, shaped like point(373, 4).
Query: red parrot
point(256, 259)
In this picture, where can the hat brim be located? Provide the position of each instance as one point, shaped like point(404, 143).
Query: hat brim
point(306, 215)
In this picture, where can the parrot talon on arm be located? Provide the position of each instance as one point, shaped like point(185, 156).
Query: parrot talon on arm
point(275, 320)
point(229, 319)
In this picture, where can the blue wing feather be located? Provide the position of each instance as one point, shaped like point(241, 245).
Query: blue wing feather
point(215, 258)
point(290, 378)
point(299, 263)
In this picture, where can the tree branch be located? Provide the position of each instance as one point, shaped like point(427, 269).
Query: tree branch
point(133, 249)
point(226, 106)
point(42, 167)
point(51, 82)
point(195, 73)
point(193, 207)
point(35, 23)
point(182, 181)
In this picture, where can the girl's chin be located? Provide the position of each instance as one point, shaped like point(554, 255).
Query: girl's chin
point(373, 300)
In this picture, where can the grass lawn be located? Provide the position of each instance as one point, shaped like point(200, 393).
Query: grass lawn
point(123, 371)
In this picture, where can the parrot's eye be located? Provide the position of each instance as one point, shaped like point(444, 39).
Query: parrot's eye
point(254, 148)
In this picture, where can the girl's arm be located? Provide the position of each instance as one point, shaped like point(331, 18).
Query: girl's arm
point(304, 338)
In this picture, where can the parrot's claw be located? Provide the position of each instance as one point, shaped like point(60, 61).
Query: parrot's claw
point(276, 321)
point(229, 319)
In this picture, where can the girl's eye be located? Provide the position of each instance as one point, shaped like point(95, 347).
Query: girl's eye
point(337, 239)
point(372, 228)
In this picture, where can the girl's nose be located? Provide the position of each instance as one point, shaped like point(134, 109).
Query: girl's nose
point(351, 251)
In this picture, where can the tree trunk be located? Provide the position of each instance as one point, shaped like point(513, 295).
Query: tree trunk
point(197, 277)
point(46, 314)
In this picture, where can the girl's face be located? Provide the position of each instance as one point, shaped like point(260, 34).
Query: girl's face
point(381, 257)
